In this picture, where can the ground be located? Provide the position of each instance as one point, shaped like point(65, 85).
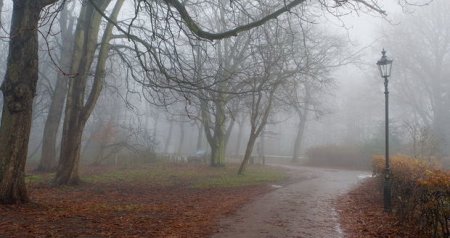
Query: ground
point(196, 201)
point(362, 215)
point(161, 201)
point(304, 208)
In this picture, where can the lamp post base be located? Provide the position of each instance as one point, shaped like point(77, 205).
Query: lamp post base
point(387, 191)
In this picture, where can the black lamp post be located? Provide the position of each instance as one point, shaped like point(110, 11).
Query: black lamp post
point(385, 66)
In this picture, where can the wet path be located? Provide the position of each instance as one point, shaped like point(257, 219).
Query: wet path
point(302, 209)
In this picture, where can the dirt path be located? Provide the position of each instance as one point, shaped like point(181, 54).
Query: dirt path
point(302, 209)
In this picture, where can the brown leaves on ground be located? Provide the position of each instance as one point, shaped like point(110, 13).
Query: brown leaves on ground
point(362, 215)
point(123, 209)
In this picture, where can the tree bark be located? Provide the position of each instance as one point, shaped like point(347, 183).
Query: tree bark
point(219, 139)
point(248, 152)
point(77, 111)
point(19, 89)
point(256, 128)
point(48, 154)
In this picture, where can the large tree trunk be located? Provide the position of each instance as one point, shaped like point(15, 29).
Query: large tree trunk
point(19, 89)
point(219, 142)
point(67, 173)
point(217, 139)
point(218, 151)
point(77, 111)
point(48, 154)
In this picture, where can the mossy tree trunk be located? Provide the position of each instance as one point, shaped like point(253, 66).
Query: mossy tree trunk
point(19, 89)
point(215, 135)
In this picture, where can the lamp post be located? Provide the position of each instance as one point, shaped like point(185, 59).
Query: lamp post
point(385, 66)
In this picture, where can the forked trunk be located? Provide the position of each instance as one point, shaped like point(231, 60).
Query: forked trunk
point(67, 173)
point(78, 110)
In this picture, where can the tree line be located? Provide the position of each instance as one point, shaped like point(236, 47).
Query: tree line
point(213, 56)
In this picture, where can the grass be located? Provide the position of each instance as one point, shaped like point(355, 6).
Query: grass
point(39, 178)
point(253, 176)
point(145, 200)
point(174, 174)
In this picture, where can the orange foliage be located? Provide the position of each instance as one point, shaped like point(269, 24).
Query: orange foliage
point(106, 134)
point(419, 191)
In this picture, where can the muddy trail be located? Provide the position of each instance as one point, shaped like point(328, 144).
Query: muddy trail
point(304, 208)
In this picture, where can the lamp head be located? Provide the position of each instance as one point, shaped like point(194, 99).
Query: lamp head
point(384, 65)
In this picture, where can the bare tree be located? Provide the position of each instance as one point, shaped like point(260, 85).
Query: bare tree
point(21, 76)
point(77, 109)
point(273, 57)
point(48, 154)
point(421, 47)
point(318, 54)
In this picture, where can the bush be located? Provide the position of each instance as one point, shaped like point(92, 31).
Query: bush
point(342, 156)
point(420, 193)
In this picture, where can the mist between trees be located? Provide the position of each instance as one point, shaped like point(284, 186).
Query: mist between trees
point(114, 81)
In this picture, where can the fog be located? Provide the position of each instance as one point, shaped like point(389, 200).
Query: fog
point(224, 118)
point(305, 81)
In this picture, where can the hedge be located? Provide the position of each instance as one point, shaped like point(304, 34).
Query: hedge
point(420, 193)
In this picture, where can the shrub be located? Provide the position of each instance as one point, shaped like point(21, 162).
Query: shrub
point(420, 193)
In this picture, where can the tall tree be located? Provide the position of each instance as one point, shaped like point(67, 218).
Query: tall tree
point(19, 88)
point(273, 66)
point(318, 53)
point(49, 138)
point(230, 56)
point(78, 110)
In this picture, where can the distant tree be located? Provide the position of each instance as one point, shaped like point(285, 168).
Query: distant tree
point(318, 53)
point(421, 50)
